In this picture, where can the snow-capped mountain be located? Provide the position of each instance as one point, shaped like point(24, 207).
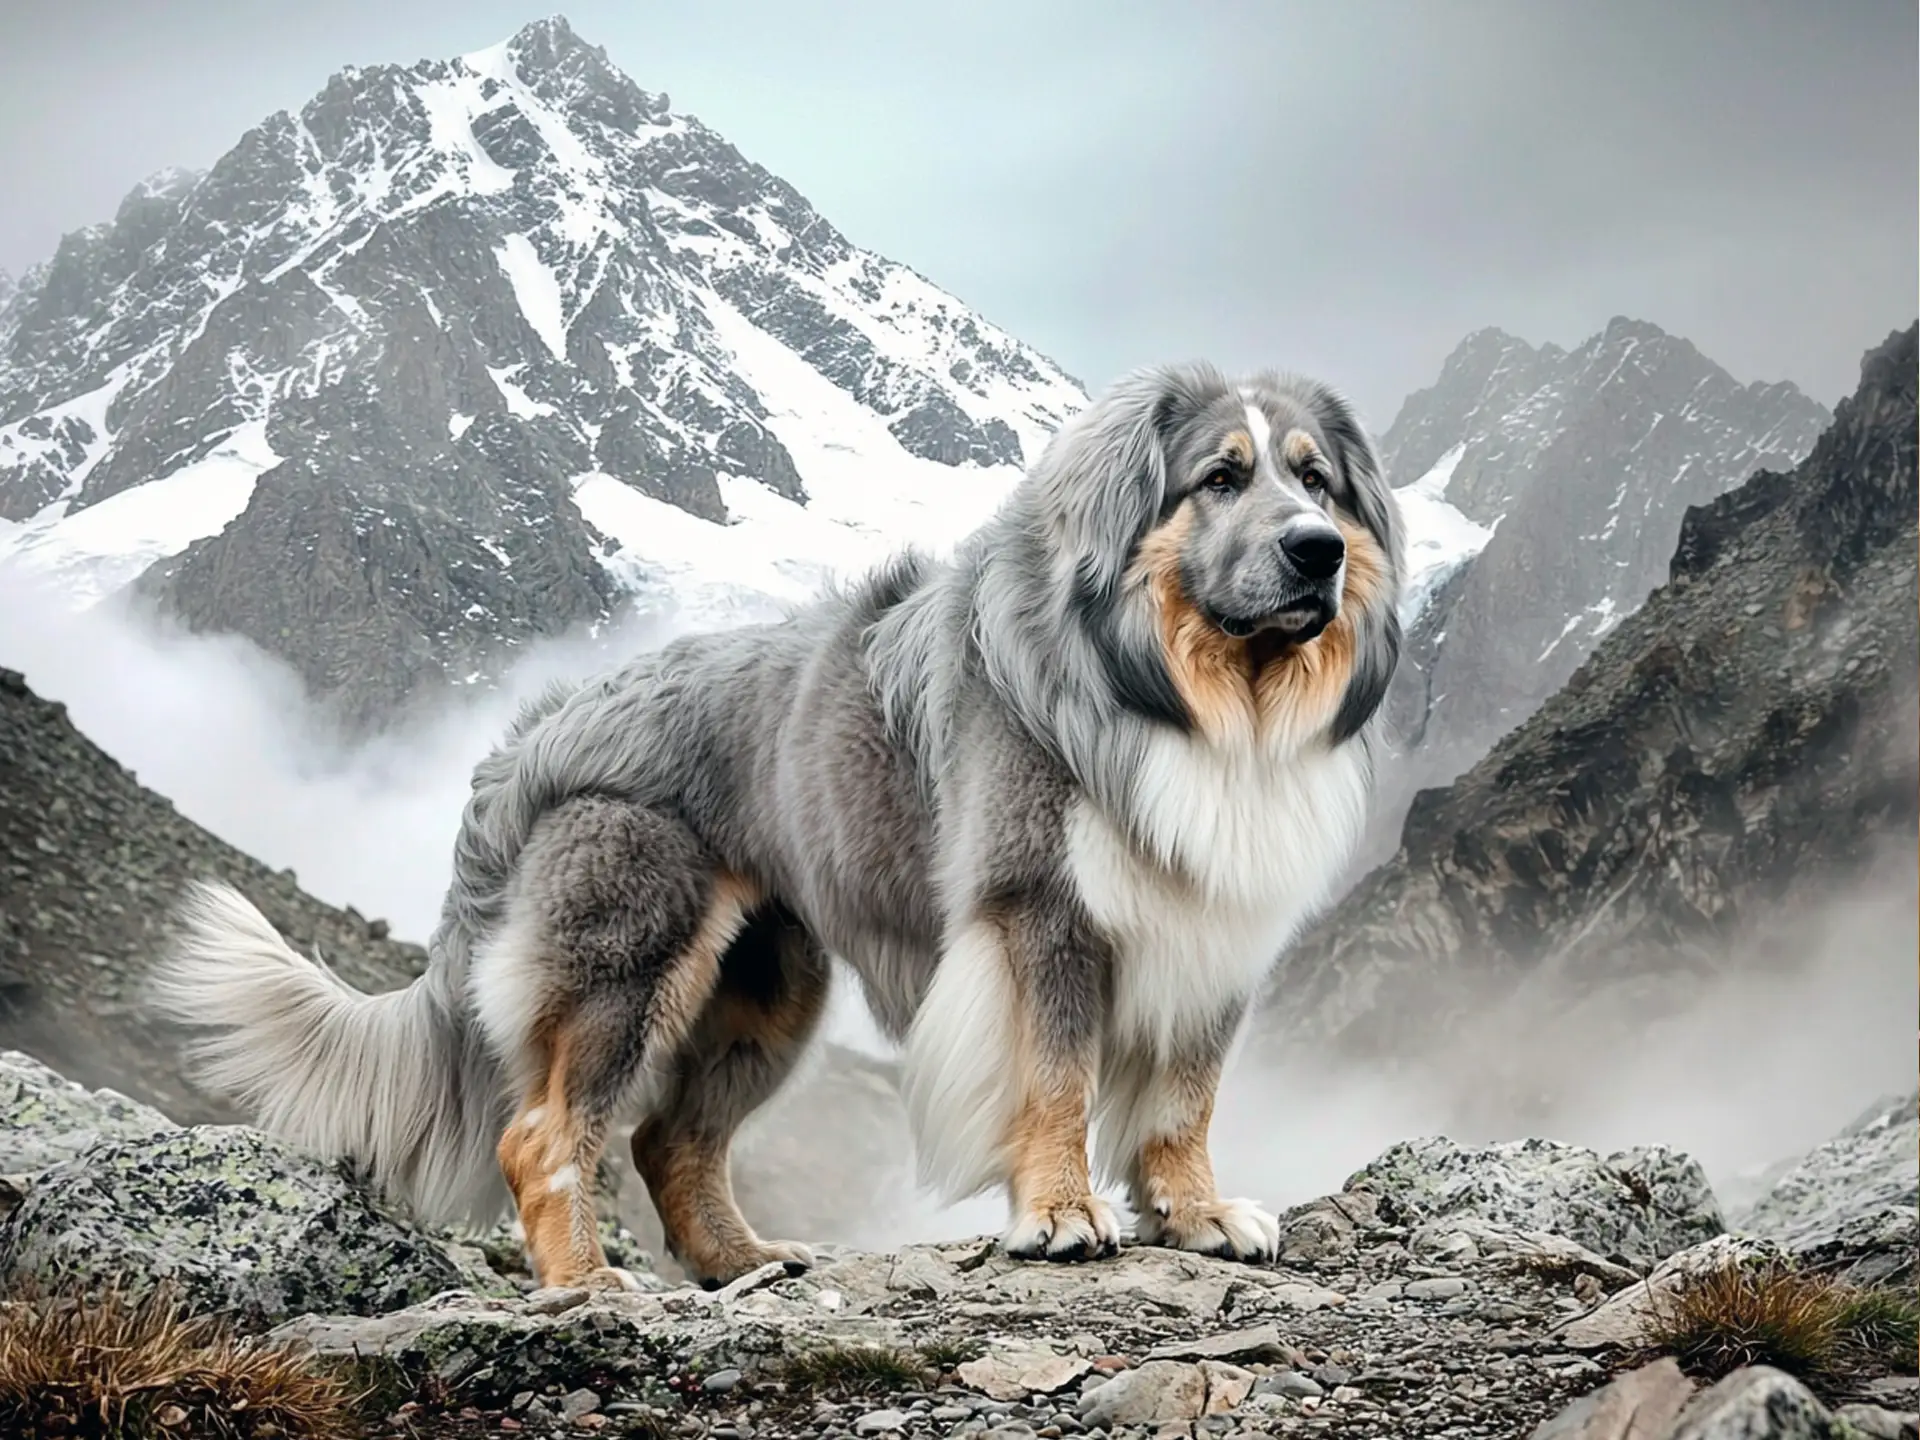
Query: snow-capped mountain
point(1565, 476)
point(471, 351)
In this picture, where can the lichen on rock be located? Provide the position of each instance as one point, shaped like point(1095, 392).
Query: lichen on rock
point(240, 1223)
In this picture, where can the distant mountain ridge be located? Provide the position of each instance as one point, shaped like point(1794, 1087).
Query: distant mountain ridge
point(1577, 466)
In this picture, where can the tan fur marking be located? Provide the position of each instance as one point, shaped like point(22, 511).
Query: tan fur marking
point(689, 1178)
point(684, 990)
point(1210, 669)
point(1238, 447)
point(1173, 1174)
point(688, 1171)
point(1298, 449)
point(547, 1140)
point(1048, 1141)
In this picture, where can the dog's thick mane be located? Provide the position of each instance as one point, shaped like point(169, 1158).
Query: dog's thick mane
point(1039, 592)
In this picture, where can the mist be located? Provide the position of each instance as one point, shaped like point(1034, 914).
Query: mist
point(1753, 1065)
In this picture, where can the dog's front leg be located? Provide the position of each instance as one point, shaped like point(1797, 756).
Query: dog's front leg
point(1171, 1173)
point(1059, 974)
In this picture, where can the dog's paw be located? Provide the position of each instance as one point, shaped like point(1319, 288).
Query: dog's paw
point(724, 1269)
point(791, 1253)
point(1083, 1228)
point(609, 1277)
point(1226, 1229)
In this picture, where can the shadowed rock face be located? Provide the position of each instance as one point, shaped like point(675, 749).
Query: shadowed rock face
point(1725, 761)
point(425, 305)
point(1583, 462)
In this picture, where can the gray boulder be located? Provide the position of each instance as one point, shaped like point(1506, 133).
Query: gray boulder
point(1622, 1320)
point(1853, 1202)
point(1645, 1203)
point(1639, 1405)
point(1657, 1402)
point(45, 1118)
point(238, 1222)
point(1759, 1403)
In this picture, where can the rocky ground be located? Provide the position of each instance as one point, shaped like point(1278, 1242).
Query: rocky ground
point(1446, 1291)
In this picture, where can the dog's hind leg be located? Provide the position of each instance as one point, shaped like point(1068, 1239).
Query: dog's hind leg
point(772, 989)
point(609, 955)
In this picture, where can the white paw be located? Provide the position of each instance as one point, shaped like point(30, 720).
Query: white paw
point(1080, 1229)
point(1228, 1229)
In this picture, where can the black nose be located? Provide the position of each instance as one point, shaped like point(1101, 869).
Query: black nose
point(1315, 550)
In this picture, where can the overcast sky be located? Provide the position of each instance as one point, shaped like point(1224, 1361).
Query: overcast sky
point(1347, 186)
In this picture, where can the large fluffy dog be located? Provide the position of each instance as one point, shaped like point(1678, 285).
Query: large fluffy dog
point(1060, 803)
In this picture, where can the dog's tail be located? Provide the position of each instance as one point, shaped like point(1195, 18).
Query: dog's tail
point(400, 1082)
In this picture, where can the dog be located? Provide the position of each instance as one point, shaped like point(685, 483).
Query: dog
point(1059, 802)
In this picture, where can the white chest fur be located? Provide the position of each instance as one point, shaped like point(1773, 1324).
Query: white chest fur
point(1245, 846)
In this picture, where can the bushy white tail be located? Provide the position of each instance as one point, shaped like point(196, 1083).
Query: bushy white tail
point(395, 1081)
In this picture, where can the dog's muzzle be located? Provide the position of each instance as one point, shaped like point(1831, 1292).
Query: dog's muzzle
point(1301, 619)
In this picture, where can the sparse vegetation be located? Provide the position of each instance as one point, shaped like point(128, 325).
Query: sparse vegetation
point(1883, 1325)
point(949, 1354)
point(853, 1370)
point(1799, 1321)
point(120, 1369)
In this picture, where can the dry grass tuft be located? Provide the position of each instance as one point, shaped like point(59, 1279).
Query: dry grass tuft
point(852, 1370)
point(114, 1369)
point(1883, 1325)
point(1807, 1324)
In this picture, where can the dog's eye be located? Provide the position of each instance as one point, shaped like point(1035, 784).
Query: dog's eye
point(1314, 480)
point(1219, 481)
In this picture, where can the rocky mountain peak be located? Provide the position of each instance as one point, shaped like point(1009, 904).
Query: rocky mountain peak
point(1577, 465)
point(494, 345)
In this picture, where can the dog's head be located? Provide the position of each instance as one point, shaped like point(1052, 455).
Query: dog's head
point(1233, 546)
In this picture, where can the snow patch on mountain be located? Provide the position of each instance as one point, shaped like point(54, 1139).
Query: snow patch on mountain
point(537, 290)
point(1439, 538)
point(91, 553)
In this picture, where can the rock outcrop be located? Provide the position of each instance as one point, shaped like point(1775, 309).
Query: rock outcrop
point(1657, 1402)
point(238, 1223)
point(1854, 1200)
point(1644, 1204)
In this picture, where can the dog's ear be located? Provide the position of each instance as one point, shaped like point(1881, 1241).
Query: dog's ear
point(1103, 478)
